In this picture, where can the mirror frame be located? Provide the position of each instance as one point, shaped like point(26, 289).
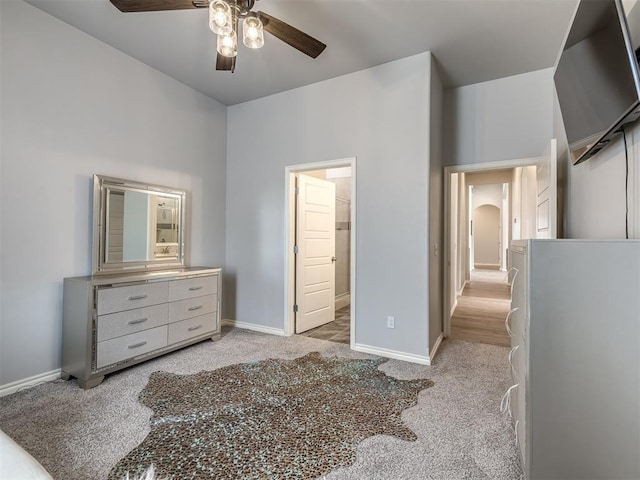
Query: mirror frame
point(102, 185)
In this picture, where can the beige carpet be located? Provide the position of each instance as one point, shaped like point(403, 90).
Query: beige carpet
point(460, 431)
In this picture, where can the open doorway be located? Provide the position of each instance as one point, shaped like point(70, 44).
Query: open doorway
point(320, 251)
point(476, 282)
point(489, 224)
point(481, 300)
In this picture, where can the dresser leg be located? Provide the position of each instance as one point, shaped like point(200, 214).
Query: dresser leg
point(92, 382)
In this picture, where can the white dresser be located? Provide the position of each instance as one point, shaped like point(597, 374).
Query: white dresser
point(575, 334)
point(518, 327)
point(114, 321)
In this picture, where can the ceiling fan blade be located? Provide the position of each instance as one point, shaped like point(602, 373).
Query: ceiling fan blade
point(156, 5)
point(225, 63)
point(291, 35)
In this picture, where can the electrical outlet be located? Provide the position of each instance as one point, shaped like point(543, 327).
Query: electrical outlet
point(391, 322)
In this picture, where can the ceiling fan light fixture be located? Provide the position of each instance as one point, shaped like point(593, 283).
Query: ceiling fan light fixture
point(228, 44)
point(220, 17)
point(252, 31)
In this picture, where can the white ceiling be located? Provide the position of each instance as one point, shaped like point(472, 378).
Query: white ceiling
point(472, 40)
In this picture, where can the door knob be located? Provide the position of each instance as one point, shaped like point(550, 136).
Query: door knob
point(333, 259)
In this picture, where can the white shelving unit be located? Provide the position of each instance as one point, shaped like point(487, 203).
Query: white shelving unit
point(576, 358)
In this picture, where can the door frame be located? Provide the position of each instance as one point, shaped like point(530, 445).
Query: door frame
point(290, 232)
point(474, 167)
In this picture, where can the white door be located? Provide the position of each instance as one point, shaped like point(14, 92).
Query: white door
point(315, 260)
point(547, 193)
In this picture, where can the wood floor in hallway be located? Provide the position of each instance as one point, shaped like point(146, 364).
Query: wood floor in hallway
point(482, 309)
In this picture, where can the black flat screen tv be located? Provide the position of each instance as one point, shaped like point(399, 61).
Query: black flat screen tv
point(597, 77)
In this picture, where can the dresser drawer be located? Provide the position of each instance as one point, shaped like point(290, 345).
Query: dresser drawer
point(130, 346)
point(116, 299)
point(519, 361)
point(193, 287)
point(131, 321)
point(521, 432)
point(192, 327)
point(516, 405)
point(192, 307)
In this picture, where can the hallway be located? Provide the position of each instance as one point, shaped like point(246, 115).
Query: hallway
point(482, 309)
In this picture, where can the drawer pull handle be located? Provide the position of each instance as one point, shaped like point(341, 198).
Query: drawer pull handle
point(511, 352)
point(507, 278)
point(514, 374)
point(138, 297)
point(193, 289)
point(513, 280)
point(191, 329)
point(137, 345)
point(505, 403)
point(506, 321)
point(135, 322)
point(191, 309)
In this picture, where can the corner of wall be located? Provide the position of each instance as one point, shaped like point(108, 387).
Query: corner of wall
point(436, 207)
point(563, 166)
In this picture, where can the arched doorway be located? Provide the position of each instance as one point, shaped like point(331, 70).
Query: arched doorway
point(486, 237)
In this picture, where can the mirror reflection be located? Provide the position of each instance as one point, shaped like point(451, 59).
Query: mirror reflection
point(141, 226)
point(138, 226)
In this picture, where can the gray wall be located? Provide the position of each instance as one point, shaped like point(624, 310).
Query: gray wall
point(72, 107)
point(380, 116)
point(435, 214)
point(594, 199)
point(502, 119)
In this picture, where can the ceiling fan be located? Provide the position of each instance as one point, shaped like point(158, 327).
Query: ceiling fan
point(224, 19)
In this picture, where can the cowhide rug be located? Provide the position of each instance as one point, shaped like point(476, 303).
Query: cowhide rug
point(270, 419)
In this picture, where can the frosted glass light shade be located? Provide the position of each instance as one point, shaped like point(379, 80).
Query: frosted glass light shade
point(220, 17)
point(252, 32)
point(228, 44)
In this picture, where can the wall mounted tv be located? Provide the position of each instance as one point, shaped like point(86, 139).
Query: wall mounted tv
point(597, 77)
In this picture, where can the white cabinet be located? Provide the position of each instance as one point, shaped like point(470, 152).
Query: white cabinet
point(518, 323)
point(113, 321)
point(576, 409)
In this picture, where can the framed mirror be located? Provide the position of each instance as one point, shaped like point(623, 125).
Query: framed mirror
point(136, 226)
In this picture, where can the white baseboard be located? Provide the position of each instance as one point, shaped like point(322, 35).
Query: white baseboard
point(343, 300)
point(383, 352)
point(486, 266)
point(13, 387)
point(434, 350)
point(254, 327)
point(453, 308)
